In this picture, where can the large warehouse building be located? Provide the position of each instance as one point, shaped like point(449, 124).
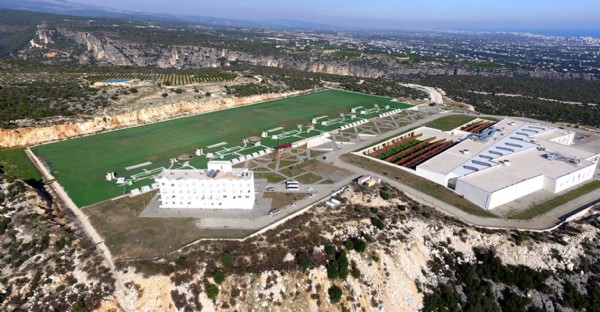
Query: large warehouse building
point(218, 187)
point(505, 161)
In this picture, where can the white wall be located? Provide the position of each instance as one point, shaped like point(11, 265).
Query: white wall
point(472, 193)
point(574, 178)
point(432, 176)
point(207, 194)
point(515, 191)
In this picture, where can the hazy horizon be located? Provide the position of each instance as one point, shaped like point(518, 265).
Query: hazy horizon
point(431, 14)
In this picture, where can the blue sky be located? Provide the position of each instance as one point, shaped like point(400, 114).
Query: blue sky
point(468, 14)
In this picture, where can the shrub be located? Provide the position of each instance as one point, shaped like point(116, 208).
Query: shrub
point(375, 257)
point(207, 94)
point(164, 95)
point(359, 244)
point(355, 272)
point(349, 245)
point(227, 260)
point(377, 223)
point(212, 291)
point(330, 250)
point(384, 194)
point(342, 261)
point(303, 260)
point(133, 90)
point(335, 294)
point(332, 270)
point(180, 261)
point(219, 277)
point(368, 238)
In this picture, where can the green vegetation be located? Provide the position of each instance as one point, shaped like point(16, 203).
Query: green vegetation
point(212, 291)
point(16, 164)
point(18, 27)
point(474, 279)
point(419, 183)
point(167, 79)
point(227, 260)
point(531, 103)
point(303, 260)
point(557, 201)
point(26, 97)
point(335, 294)
point(219, 277)
point(450, 122)
point(80, 164)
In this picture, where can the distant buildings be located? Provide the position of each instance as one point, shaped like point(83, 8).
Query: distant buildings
point(218, 187)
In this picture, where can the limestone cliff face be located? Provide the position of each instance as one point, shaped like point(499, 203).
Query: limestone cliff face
point(37, 135)
point(103, 49)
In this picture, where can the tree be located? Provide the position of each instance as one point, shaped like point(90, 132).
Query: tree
point(219, 277)
point(164, 95)
point(359, 244)
point(227, 260)
point(207, 94)
point(330, 250)
point(342, 261)
point(335, 294)
point(212, 291)
point(303, 260)
point(332, 270)
point(133, 90)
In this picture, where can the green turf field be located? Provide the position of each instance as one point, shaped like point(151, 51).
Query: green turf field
point(16, 164)
point(80, 164)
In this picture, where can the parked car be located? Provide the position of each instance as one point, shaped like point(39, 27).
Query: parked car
point(274, 212)
point(309, 189)
point(311, 195)
point(270, 189)
point(293, 204)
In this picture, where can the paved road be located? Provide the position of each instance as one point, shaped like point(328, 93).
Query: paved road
point(434, 95)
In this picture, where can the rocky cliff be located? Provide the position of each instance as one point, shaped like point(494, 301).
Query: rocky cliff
point(36, 135)
point(404, 263)
point(105, 49)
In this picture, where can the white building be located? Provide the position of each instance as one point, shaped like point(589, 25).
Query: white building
point(510, 160)
point(218, 187)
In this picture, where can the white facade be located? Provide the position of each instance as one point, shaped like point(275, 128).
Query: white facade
point(218, 187)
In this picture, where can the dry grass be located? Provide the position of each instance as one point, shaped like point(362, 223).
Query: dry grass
point(128, 236)
point(281, 200)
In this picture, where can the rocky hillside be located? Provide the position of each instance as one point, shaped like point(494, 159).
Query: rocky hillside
point(376, 254)
point(36, 135)
point(47, 265)
point(129, 45)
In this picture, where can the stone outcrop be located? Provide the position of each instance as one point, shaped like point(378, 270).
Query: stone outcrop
point(103, 49)
point(37, 135)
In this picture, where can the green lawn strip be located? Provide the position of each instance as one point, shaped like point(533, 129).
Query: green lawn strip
point(557, 201)
point(16, 164)
point(80, 164)
point(450, 122)
point(419, 183)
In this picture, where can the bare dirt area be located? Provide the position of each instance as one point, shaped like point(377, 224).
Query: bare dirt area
point(130, 237)
point(280, 200)
point(325, 170)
